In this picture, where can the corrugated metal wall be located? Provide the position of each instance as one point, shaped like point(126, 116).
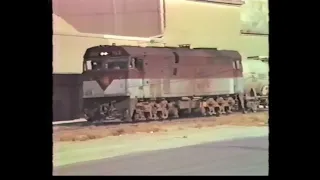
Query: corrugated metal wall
point(67, 96)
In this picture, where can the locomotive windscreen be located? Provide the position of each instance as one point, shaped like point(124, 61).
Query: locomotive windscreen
point(105, 58)
point(116, 63)
point(93, 54)
point(106, 63)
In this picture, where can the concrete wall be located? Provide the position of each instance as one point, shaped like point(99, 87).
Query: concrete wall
point(253, 45)
point(210, 25)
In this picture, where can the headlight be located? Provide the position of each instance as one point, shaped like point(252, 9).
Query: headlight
point(103, 53)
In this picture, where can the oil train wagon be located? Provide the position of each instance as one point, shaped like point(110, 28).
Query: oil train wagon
point(149, 83)
point(256, 78)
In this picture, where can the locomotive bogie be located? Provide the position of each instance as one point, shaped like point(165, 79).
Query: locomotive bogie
point(136, 109)
point(209, 102)
point(107, 108)
point(176, 107)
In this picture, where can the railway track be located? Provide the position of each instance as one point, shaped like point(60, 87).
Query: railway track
point(119, 122)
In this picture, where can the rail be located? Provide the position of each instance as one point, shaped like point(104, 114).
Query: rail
point(69, 121)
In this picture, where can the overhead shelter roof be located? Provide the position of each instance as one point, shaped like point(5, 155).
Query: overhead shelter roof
point(141, 18)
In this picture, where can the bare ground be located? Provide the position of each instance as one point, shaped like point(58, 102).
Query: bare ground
point(96, 132)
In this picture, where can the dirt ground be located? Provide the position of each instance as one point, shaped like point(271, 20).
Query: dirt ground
point(62, 133)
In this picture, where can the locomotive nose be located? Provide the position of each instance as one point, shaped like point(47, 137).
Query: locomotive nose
point(107, 79)
point(104, 82)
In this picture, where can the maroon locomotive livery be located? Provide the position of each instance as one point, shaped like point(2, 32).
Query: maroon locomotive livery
point(146, 83)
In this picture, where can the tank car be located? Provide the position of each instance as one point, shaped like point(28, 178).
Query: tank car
point(149, 83)
point(256, 78)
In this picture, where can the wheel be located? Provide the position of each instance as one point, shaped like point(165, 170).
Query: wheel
point(126, 116)
point(203, 111)
point(164, 113)
point(211, 111)
point(217, 110)
point(135, 116)
point(227, 110)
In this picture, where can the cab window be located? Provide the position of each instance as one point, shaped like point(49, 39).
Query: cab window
point(136, 63)
point(92, 65)
point(132, 63)
point(96, 65)
point(116, 65)
point(106, 64)
point(236, 64)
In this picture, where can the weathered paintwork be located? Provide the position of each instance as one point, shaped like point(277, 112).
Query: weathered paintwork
point(256, 75)
point(198, 72)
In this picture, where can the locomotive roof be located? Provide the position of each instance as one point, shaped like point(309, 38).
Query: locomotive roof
point(166, 51)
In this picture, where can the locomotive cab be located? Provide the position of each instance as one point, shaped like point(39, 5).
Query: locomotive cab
point(105, 65)
point(105, 73)
point(111, 63)
point(104, 61)
point(136, 63)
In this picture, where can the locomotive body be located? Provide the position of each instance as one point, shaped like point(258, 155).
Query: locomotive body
point(138, 83)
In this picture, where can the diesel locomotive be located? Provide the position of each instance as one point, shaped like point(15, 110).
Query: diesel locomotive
point(149, 83)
